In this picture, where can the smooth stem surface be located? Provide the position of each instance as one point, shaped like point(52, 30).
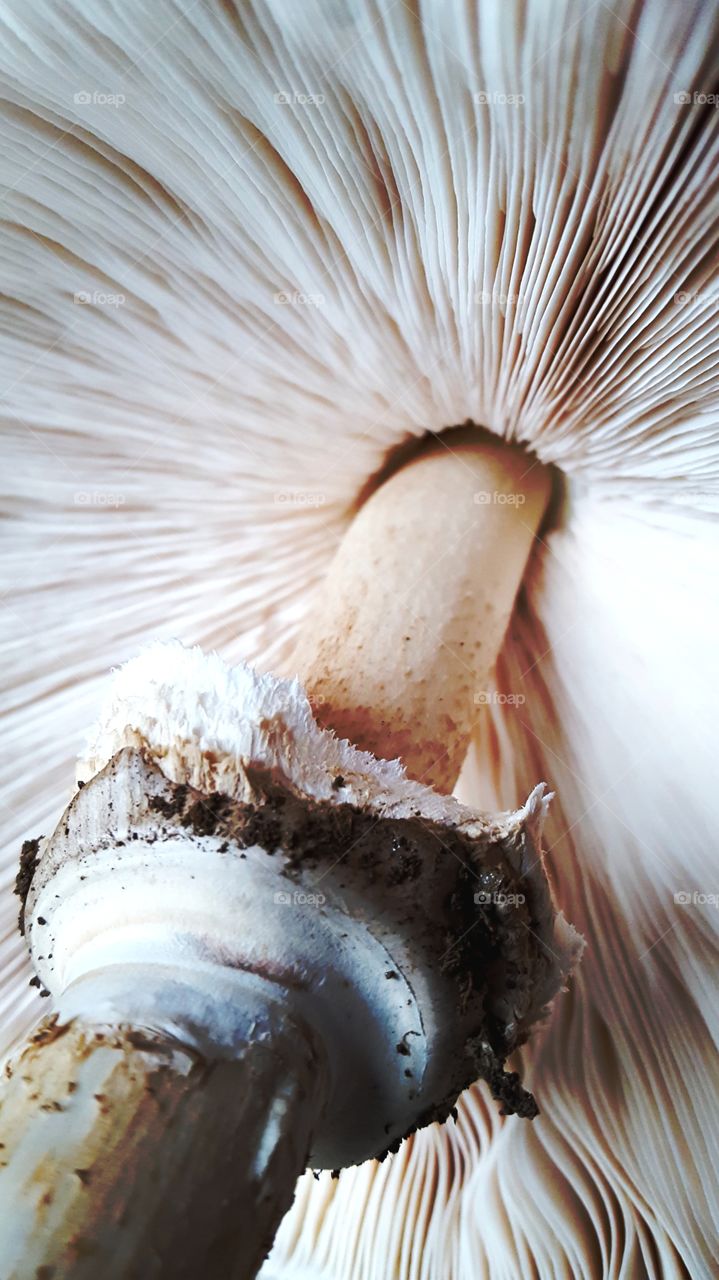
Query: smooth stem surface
point(399, 646)
point(128, 1157)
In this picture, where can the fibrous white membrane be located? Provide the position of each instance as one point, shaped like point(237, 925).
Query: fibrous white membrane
point(306, 232)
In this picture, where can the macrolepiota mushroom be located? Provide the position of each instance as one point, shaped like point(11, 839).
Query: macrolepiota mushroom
point(247, 251)
point(265, 943)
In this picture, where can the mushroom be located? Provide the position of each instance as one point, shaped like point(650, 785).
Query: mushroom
point(304, 235)
point(266, 941)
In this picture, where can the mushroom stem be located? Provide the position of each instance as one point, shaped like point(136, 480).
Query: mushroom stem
point(129, 1152)
point(398, 649)
point(243, 980)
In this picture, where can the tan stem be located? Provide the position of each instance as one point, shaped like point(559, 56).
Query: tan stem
point(128, 1152)
point(400, 644)
point(129, 1156)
